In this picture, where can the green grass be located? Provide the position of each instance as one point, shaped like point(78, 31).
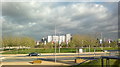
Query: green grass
point(26, 51)
point(63, 50)
point(98, 49)
point(97, 63)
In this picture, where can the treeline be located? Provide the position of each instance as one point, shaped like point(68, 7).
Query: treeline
point(81, 41)
point(16, 41)
point(86, 41)
point(77, 41)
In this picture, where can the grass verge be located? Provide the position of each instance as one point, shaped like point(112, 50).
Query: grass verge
point(51, 50)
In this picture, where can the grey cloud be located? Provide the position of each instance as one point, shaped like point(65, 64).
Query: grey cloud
point(38, 19)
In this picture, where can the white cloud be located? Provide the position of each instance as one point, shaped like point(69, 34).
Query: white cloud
point(20, 26)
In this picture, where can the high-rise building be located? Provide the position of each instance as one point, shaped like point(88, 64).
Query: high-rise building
point(58, 38)
point(68, 37)
point(55, 38)
point(61, 39)
point(49, 39)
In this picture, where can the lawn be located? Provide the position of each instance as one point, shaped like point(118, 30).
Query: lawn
point(26, 51)
point(98, 49)
point(63, 50)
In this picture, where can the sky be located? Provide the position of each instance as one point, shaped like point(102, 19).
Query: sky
point(39, 19)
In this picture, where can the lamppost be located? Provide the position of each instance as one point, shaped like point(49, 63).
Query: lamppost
point(101, 40)
point(59, 42)
point(55, 43)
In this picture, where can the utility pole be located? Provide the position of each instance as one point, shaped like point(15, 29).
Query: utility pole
point(59, 42)
point(102, 40)
point(55, 43)
point(101, 35)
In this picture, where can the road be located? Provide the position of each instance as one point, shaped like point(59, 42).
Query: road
point(47, 57)
point(61, 55)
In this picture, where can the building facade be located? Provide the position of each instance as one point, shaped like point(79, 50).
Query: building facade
point(68, 37)
point(59, 38)
point(49, 38)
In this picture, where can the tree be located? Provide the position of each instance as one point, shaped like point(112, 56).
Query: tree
point(27, 42)
point(17, 41)
point(82, 41)
point(49, 45)
point(71, 44)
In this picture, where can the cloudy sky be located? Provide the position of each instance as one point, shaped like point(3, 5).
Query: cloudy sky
point(38, 19)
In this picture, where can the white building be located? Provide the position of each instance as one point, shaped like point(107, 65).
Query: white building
point(55, 38)
point(68, 37)
point(59, 39)
point(49, 39)
point(62, 38)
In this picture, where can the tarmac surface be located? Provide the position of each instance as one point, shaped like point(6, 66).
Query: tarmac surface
point(48, 59)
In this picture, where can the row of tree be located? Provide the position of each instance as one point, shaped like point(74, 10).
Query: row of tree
point(86, 41)
point(15, 41)
point(77, 41)
point(81, 41)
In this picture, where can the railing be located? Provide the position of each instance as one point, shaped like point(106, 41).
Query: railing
point(110, 54)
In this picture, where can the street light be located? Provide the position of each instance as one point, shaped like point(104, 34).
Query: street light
point(55, 43)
